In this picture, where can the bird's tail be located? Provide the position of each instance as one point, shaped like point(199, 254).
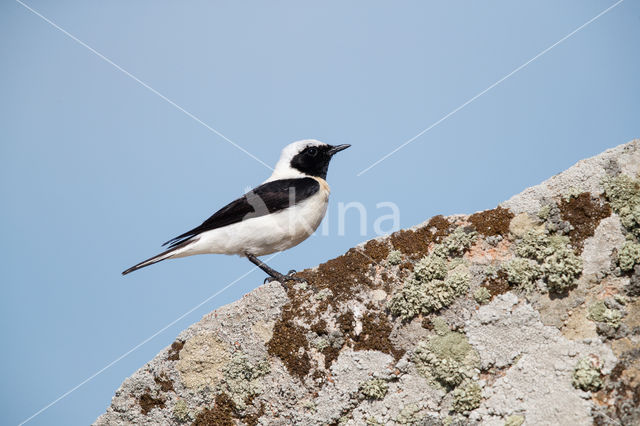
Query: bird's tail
point(168, 254)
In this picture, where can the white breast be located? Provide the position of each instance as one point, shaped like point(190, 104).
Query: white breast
point(266, 234)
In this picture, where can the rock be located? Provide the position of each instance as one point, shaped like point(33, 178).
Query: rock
point(531, 308)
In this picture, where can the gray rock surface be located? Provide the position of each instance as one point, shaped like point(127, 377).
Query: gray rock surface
point(516, 315)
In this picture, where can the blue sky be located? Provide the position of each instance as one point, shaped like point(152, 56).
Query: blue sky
point(98, 170)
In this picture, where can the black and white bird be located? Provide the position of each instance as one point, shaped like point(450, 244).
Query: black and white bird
point(277, 215)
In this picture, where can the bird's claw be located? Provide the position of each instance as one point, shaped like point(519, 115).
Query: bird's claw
point(282, 279)
point(290, 277)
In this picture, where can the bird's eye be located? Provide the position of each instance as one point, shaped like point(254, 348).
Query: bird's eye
point(312, 152)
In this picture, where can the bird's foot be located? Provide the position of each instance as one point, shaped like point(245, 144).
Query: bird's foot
point(291, 276)
point(283, 279)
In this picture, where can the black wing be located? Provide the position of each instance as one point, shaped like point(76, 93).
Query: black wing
point(269, 197)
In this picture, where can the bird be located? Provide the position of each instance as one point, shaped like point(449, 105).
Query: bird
point(278, 214)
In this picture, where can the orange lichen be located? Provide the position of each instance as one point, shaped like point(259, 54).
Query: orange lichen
point(584, 213)
point(376, 329)
point(148, 402)
point(376, 250)
point(164, 382)
point(252, 419)
point(498, 284)
point(289, 343)
point(220, 415)
point(619, 398)
point(346, 322)
point(492, 222)
point(415, 244)
point(426, 323)
point(174, 351)
point(341, 275)
point(481, 254)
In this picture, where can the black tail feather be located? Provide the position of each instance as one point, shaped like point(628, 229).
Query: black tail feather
point(157, 258)
point(175, 242)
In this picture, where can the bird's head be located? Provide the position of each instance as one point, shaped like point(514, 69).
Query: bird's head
point(306, 158)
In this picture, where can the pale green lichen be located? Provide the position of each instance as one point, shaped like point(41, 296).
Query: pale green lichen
point(467, 396)
point(534, 245)
point(629, 255)
point(301, 286)
point(309, 405)
point(514, 420)
point(523, 272)
point(320, 343)
point(491, 271)
point(181, 412)
point(437, 281)
point(447, 357)
point(573, 192)
point(447, 371)
point(323, 294)
point(374, 389)
point(423, 295)
point(457, 281)
point(562, 268)
point(394, 257)
point(544, 212)
point(623, 193)
point(558, 264)
point(408, 415)
point(430, 267)
point(456, 243)
point(482, 295)
point(344, 420)
point(587, 374)
point(600, 313)
point(612, 316)
point(440, 326)
point(241, 378)
point(621, 299)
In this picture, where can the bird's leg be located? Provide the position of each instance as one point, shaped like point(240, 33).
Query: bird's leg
point(273, 274)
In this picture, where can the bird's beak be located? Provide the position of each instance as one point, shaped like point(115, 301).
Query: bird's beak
point(338, 148)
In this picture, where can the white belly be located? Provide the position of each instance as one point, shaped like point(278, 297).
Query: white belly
point(265, 234)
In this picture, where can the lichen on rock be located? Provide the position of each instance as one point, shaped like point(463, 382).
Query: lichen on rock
point(623, 192)
point(437, 280)
point(599, 312)
point(559, 266)
point(431, 267)
point(629, 255)
point(514, 420)
point(241, 378)
point(482, 295)
point(456, 243)
point(421, 295)
point(587, 374)
point(562, 267)
point(467, 396)
point(504, 316)
point(181, 412)
point(201, 360)
point(523, 272)
point(446, 356)
point(374, 388)
point(394, 257)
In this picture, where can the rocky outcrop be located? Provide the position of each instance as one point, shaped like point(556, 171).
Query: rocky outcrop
point(524, 314)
